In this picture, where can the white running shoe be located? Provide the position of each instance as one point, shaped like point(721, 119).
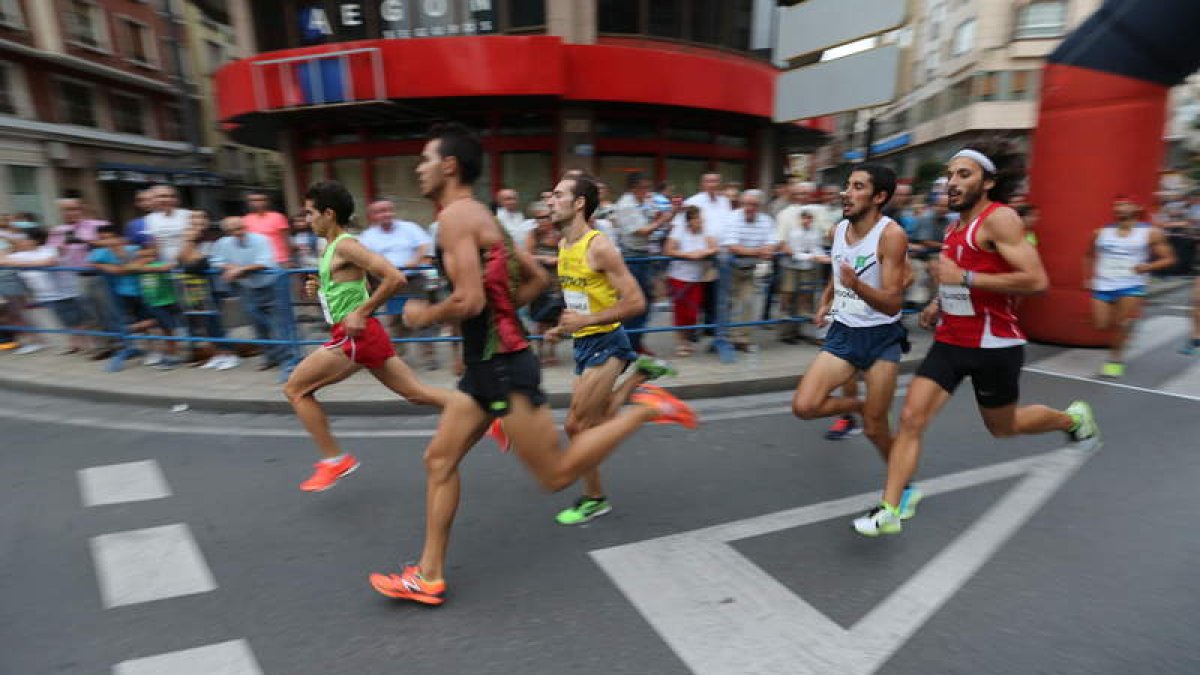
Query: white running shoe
point(212, 362)
point(229, 362)
point(152, 359)
point(31, 348)
point(880, 520)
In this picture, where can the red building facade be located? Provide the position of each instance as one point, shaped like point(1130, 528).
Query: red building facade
point(546, 84)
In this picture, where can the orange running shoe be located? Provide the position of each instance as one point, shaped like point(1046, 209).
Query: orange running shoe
point(410, 585)
point(496, 433)
point(670, 409)
point(327, 474)
point(6, 346)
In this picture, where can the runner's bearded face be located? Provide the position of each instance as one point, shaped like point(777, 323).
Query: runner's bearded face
point(562, 204)
point(965, 184)
point(857, 197)
point(431, 176)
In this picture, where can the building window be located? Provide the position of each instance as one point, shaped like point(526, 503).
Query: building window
point(85, 24)
point(23, 193)
point(666, 18)
point(10, 14)
point(618, 16)
point(964, 38)
point(128, 113)
point(8, 91)
point(76, 104)
point(1042, 19)
point(1023, 84)
point(526, 13)
point(214, 53)
point(987, 87)
point(172, 116)
point(725, 23)
point(137, 43)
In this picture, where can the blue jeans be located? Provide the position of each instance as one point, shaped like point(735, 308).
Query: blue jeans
point(644, 273)
point(261, 306)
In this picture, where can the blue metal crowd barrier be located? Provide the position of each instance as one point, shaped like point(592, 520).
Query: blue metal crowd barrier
point(285, 331)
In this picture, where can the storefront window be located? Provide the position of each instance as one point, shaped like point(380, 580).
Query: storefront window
point(396, 179)
point(526, 13)
point(733, 172)
point(349, 172)
point(666, 18)
point(685, 174)
point(528, 173)
point(618, 16)
point(615, 170)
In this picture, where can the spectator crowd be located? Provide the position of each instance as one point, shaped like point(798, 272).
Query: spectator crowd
point(174, 271)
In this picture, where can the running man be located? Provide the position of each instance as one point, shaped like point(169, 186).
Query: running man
point(600, 293)
point(1116, 267)
point(491, 278)
point(1192, 346)
point(357, 339)
point(863, 299)
point(985, 262)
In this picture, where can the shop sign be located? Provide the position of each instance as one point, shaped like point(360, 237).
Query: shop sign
point(322, 22)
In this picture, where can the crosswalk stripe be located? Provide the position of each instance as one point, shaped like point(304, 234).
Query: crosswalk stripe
point(1147, 336)
point(150, 564)
point(120, 483)
point(1186, 382)
point(224, 658)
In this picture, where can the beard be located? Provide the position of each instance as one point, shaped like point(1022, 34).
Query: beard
point(969, 200)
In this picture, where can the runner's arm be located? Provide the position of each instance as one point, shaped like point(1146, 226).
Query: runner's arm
point(631, 301)
point(389, 278)
point(534, 278)
point(1162, 255)
point(889, 298)
point(460, 256)
point(1089, 260)
point(1006, 231)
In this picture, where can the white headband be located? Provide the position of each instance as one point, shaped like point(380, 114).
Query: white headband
point(978, 157)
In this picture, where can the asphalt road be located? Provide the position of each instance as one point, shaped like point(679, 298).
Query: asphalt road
point(728, 550)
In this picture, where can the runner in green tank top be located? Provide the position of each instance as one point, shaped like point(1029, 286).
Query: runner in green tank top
point(357, 339)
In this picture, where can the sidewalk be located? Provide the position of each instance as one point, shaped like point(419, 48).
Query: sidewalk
point(775, 367)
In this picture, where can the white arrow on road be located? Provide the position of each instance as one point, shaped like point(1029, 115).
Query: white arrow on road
point(722, 614)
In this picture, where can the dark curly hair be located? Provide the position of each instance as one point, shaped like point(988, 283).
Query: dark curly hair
point(1010, 166)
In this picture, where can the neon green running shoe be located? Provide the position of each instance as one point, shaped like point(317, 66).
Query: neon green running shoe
point(1113, 369)
point(584, 510)
point(654, 368)
point(883, 519)
point(1085, 426)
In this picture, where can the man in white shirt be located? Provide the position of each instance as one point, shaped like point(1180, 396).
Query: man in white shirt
point(805, 259)
point(508, 212)
point(716, 211)
point(168, 224)
point(752, 239)
point(404, 244)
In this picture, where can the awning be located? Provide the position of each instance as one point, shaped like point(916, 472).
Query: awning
point(135, 173)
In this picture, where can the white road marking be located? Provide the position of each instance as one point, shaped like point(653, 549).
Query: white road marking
point(1186, 383)
point(702, 596)
point(1106, 383)
point(1149, 335)
point(151, 564)
point(119, 483)
point(224, 658)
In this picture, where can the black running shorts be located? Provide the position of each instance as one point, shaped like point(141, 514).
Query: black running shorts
point(995, 373)
point(491, 382)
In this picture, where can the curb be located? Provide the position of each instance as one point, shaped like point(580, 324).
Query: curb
point(390, 406)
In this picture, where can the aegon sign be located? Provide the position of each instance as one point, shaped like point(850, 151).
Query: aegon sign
point(400, 19)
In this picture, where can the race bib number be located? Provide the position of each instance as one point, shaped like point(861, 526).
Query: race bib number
point(1116, 268)
point(577, 301)
point(325, 307)
point(847, 303)
point(956, 300)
